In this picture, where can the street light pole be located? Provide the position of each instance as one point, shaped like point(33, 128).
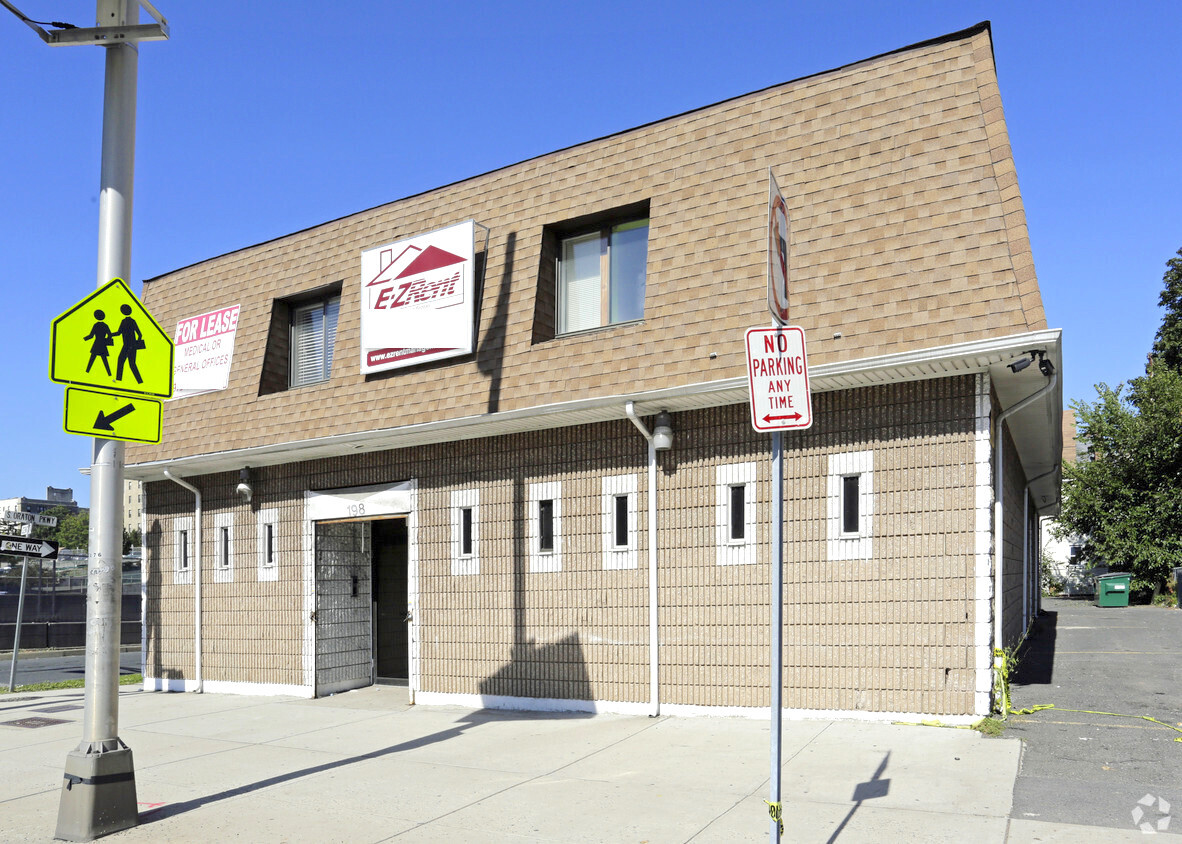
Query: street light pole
point(98, 795)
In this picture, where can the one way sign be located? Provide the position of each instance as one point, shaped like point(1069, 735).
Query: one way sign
point(777, 374)
point(45, 549)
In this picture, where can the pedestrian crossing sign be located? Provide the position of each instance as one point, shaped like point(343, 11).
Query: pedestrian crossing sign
point(110, 341)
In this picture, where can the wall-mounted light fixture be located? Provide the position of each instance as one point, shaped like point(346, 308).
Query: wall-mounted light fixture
point(663, 432)
point(244, 489)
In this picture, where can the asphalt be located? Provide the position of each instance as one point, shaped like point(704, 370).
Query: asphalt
point(1079, 764)
point(364, 766)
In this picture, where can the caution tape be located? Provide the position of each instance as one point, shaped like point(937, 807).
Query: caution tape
point(1003, 673)
point(776, 810)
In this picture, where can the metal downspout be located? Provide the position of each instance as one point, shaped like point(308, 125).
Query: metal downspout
point(998, 512)
point(196, 576)
point(654, 665)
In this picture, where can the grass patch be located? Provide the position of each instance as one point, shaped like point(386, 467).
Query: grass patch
point(124, 680)
point(990, 727)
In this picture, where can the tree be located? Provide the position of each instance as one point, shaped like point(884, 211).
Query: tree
point(74, 531)
point(131, 538)
point(1125, 497)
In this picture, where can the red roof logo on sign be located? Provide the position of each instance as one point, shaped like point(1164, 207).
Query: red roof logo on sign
point(428, 279)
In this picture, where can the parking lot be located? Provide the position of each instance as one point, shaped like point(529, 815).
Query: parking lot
point(1086, 768)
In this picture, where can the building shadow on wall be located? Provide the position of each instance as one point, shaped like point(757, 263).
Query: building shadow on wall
point(152, 645)
point(551, 671)
point(1036, 666)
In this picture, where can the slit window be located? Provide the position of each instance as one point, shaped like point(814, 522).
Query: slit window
point(737, 528)
point(224, 547)
point(466, 532)
point(850, 514)
point(184, 550)
point(546, 525)
point(269, 544)
point(620, 524)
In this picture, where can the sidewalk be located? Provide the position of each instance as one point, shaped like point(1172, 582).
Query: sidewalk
point(365, 767)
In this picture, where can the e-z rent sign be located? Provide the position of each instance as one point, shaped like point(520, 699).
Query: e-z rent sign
point(777, 374)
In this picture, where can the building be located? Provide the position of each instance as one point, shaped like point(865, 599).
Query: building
point(133, 504)
point(494, 524)
point(54, 497)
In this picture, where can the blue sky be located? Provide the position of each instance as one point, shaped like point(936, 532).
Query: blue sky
point(261, 118)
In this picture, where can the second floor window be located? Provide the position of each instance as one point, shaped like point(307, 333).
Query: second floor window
point(601, 276)
point(313, 335)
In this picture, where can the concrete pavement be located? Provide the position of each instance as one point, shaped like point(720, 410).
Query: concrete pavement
point(364, 766)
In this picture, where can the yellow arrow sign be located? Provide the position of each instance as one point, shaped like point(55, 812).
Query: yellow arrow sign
point(110, 341)
point(111, 416)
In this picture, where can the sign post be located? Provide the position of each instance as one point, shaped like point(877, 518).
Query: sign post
point(777, 374)
point(42, 549)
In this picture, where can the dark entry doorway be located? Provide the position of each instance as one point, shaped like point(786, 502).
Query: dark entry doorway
point(391, 630)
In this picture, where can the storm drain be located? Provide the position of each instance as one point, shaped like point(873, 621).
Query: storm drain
point(33, 723)
point(64, 707)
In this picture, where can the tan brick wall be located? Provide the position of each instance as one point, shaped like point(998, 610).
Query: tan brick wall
point(889, 633)
point(907, 229)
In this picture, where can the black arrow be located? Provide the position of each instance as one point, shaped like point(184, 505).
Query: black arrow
point(103, 422)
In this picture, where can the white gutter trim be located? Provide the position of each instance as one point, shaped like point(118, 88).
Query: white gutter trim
point(196, 577)
point(653, 658)
point(998, 512)
point(958, 358)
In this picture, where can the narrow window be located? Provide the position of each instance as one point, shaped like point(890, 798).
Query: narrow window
point(313, 336)
point(546, 525)
point(849, 503)
point(466, 531)
point(270, 548)
point(184, 549)
point(738, 513)
point(620, 532)
point(224, 546)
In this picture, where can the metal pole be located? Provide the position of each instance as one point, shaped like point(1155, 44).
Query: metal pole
point(103, 799)
point(16, 635)
point(777, 655)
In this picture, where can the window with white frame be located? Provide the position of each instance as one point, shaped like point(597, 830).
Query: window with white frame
point(465, 531)
point(313, 336)
point(223, 537)
point(183, 542)
point(601, 276)
point(544, 526)
point(850, 505)
point(268, 544)
point(735, 514)
point(620, 522)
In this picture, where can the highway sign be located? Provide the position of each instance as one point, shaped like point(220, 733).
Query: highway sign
point(44, 549)
point(777, 375)
point(30, 518)
point(109, 341)
point(112, 416)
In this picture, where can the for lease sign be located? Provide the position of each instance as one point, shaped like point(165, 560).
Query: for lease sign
point(417, 298)
point(204, 352)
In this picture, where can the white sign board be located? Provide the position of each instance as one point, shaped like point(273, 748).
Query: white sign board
point(204, 352)
point(777, 374)
point(778, 236)
point(418, 299)
point(30, 518)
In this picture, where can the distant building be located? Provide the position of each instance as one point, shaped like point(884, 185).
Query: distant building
point(54, 497)
point(133, 504)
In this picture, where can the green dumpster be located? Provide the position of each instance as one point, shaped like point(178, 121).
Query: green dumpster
point(1112, 590)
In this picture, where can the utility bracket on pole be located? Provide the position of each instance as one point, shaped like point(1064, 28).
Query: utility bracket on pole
point(97, 35)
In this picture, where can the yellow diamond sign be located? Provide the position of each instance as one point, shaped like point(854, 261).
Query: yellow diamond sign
point(112, 416)
point(110, 341)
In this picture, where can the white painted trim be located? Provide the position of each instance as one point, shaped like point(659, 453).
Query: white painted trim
point(461, 499)
point(730, 552)
point(983, 551)
point(548, 561)
point(268, 516)
point(627, 556)
point(223, 569)
point(536, 704)
point(182, 576)
point(358, 502)
point(412, 589)
point(226, 687)
point(859, 545)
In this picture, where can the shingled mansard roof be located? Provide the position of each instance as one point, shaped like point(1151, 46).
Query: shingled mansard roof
point(909, 259)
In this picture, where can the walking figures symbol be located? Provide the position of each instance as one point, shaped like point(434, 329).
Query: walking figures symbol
point(131, 337)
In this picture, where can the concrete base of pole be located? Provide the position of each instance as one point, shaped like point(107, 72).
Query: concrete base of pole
point(98, 795)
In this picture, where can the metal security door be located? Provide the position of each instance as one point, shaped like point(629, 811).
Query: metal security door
point(342, 619)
